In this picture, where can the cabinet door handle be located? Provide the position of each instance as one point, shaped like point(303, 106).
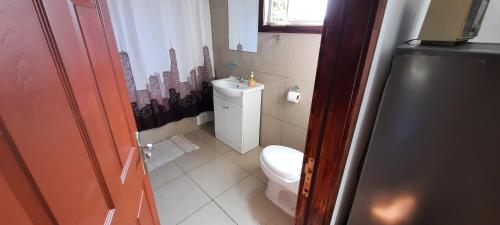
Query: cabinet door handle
point(225, 107)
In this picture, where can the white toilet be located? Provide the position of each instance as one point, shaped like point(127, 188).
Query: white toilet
point(282, 165)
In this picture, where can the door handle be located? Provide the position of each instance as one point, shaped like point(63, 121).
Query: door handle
point(225, 107)
point(145, 151)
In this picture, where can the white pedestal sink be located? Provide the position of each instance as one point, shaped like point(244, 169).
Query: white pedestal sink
point(237, 113)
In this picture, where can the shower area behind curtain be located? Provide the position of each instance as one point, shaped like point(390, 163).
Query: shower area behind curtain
point(165, 49)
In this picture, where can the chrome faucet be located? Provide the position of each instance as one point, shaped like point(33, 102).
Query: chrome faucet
point(241, 79)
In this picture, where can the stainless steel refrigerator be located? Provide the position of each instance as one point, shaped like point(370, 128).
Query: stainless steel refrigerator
point(434, 154)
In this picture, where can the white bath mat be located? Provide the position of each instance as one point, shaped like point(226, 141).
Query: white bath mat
point(168, 150)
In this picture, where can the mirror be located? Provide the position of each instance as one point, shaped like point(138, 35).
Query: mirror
point(243, 19)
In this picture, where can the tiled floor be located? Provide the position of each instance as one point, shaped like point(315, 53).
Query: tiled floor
point(214, 186)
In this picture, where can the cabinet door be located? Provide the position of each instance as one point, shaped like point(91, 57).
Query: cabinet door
point(219, 116)
point(234, 116)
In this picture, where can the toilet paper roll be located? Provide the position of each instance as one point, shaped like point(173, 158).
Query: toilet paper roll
point(293, 96)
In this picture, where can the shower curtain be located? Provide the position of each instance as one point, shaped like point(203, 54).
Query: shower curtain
point(166, 50)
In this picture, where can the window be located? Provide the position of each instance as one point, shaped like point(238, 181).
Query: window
point(295, 16)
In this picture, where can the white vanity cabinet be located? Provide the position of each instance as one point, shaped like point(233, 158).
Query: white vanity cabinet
point(237, 119)
point(229, 125)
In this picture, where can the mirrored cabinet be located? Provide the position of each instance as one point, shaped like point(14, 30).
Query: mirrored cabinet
point(243, 19)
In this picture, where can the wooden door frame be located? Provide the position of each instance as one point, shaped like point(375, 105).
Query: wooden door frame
point(350, 34)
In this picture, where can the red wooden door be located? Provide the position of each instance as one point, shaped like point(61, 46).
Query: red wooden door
point(68, 153)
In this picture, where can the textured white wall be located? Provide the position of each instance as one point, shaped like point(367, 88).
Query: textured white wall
point(402, 21)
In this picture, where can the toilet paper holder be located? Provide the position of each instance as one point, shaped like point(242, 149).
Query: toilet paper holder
point(293, 94)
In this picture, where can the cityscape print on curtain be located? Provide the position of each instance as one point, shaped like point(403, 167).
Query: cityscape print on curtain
point(170, 100)
point(165, 49)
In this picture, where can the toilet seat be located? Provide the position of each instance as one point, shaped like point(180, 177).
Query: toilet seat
point(283, 161)
point(282, 165)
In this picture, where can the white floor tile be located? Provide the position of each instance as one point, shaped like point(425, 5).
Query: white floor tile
point(208, 128)
point(217, 176)
point(164, 174)
point(210, 214)
point(216, 144)
point(199, 133)
point(191, 160)
point(246, 202)
point(208, 140)
point(223, 174)
point(281, 218)
point(260, 175)
point(250, 161)
point(179, 199)
point(196, 138)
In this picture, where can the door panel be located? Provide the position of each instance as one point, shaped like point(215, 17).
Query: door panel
point(71, 57)
point(117, 68)
point(144, 214)
point(234, 114)
point(219, 115)
point(20, 204)
point(42, 123)
point(96, 46)
point(11, 209)
point(63, 115)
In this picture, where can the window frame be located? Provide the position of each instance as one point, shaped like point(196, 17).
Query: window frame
point(308, 29)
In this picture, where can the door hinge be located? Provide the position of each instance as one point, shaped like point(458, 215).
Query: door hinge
point(307, 176)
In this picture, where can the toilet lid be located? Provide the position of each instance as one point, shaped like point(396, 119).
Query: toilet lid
point(285, 162)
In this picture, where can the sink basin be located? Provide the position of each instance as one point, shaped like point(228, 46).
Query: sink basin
point(232, 88)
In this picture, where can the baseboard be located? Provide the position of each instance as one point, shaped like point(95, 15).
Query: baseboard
point(179, 127)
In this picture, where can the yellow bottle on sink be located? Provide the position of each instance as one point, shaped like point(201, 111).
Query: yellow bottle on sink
point(251, 81)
